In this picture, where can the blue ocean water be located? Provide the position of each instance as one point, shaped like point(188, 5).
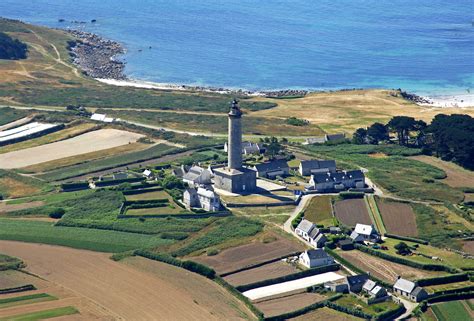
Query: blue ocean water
point(424, 46)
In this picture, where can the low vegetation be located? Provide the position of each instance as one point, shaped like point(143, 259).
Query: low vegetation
point(453, 310)
point(319, 211)
point(8, 115)
point(13, 185)
point(9, 263)
point(42, 315)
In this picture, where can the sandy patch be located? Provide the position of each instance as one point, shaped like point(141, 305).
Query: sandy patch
point(123, 290)
point(86, 143)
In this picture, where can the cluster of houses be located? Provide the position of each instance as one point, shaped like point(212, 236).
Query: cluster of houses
point(359, 284)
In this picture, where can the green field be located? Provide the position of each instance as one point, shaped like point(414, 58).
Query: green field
point(352, 302)
point(111, 162)
point(25, 299)
point(8, 115)
point(447, 257)
point(215, 123)
point(81, 238)
point(42, 315)
point(453, 310)
point(419, 179)
point(319, 211)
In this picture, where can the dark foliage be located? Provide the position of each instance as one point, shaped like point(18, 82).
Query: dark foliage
point(12, 49)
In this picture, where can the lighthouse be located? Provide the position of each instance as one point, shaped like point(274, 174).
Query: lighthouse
point(235, 178)
point(235, 136)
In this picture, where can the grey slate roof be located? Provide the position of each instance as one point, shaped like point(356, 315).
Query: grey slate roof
point(272, 166)
point(317, 164)
point(404, 285)
point(317, 254)
point(321, 237)
point(306, 226)
point(314, 233)
point(334, 137)
point(417, 291)
point(357, 279)
point(345, 242)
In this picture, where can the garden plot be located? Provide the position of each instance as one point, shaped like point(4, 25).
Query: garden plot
point(289, 286)
point(86, 143)
point(398, 218)
point(249, 254)
point(287, 304)
point(353, 211)
point(267, 271)
point(383, 269)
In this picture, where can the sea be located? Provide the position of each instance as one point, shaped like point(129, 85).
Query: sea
point(424, 46)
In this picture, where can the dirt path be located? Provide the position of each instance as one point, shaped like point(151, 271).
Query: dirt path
point(125, 292)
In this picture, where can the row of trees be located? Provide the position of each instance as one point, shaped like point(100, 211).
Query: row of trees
point(10, 48)
point(450, 137)
point(407, 130)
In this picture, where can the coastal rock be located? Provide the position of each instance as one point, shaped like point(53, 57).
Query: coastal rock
point(414, 98)
point(97, 56)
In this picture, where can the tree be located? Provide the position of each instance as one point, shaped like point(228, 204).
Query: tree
point(377, 132)
point(360, 136)
point(402, 125)
point(402, 248)
point(273, 147)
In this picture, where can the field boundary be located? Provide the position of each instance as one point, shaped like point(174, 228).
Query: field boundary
point(375, 214)
point(256, 265)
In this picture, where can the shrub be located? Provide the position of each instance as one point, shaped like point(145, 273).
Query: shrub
point(402, 248)
point(57, 213)
point(351, 195)
point(444, 279)
point(293, 121)
point(407, 238)
point(297, 220)
point(212, 252)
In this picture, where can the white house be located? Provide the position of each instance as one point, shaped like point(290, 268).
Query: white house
point(201, 198)
point(315, 258)
point(208, 199)
point(249, 148)
point(147, 173)
point(409, 290)
point(304, 229)
point(363, 232)
point(329, 181)
point(197, 176)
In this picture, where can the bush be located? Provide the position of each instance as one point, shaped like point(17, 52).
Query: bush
point(57, 213)
point(293, 121)
point(406, 238)
point(402, 248)
point(444, 279)
point(12, 49)
point(297, 220)
point(212, 252)
point(351, 195)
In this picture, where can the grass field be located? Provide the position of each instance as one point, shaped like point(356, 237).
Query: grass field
point(216, 123)
point(66, 133)
point(13, 185)
point(8, 115)
point(319, 211)
point(325, 314)
point(453, 310)
point(351, 301)
point(111, 162)
point(420, 180)
point(448, 286)
point(25, 299)
point(81, 238)
point(42, 315)
point(447, 257)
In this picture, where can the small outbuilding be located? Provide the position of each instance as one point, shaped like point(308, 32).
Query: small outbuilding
point(345, 245)
point(356, 282)
point(272, 169)
point(363, 232)
point(409, 290)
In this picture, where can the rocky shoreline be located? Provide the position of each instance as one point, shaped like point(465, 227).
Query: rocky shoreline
point(96, 56)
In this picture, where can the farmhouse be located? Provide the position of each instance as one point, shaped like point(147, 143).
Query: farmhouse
point(249, 148)
point(363, 232)
point(356, 282)
point(272, 169)
point(197, 176)
point(201, 198)
point(338, 181)
point(309, 167)
point(409, 290)
point(304, 229)
point(315, 258)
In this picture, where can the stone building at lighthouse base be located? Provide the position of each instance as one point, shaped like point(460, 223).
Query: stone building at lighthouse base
point(240, 181)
